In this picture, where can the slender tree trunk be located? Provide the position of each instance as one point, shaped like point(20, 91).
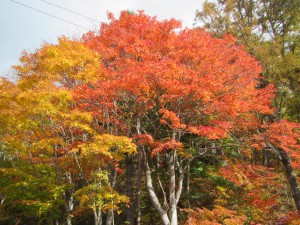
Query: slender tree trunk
point(97, 215)
point(110, 217)
point(69, 207)
point(266, 157)
point(188, 184)
point(69, 220)
point(2, 200)
point(110, 213)
point(139, 187)
point(172, 191)
point(57, 169)
point(155, 202)
point(69, 200)
point(130, 174)
point(289, 171)
point(139, 178)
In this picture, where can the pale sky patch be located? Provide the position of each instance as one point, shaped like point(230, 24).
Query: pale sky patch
point(25, 29)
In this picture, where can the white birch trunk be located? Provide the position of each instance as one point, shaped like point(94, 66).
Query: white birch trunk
point(97, 215)
point(172, 191)
point(110, 217)
point(110, 213)
point(162, 212)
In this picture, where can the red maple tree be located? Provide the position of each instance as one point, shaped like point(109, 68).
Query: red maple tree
point(166, 84)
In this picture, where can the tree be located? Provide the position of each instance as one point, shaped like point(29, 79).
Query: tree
point(282, 137)
point(96, 160)
point(269, 30)
point(179, 105)
point(43, 122)
point(43, 127)
point(163, 87)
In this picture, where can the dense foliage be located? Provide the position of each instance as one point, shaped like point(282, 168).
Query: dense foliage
point(145, 123)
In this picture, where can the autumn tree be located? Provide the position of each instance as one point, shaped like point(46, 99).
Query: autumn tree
point(42, 126)
point(146, 94)
point(163, 87)
point(269, 30)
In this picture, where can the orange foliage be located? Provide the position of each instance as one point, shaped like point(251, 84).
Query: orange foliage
point(169, 145)
point(291, 218)
point(284, 135)
point(144, 139)
point(219, 215)
point(259, 183)
point(197, 83)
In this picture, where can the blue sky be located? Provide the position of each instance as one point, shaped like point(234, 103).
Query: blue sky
point(25, 29)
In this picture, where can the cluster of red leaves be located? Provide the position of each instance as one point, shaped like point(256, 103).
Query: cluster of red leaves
point(219, 215)
point(284, 135)
point(119, 170)
point(291, 218)
point(169, 145)
point(144, 139)
point(258, 183)
point(157, 146)
point(216, 131)
point(170, 118)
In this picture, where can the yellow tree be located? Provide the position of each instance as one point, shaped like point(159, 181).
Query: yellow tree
point(42, 124)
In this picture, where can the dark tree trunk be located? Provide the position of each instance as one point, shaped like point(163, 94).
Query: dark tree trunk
point(289, 171)
point(130, 189)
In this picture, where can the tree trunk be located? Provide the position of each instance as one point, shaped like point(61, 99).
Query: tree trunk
point(69, 221)
point(188, 185)
point(139, 187)
point(138, 178)
point(290, 175)
point(69, 200)
point(70, 205)
point(97, 216)
point(110, 218)
point(130, 189)
point(172, 191)
point(110, 213)
point(155, 202)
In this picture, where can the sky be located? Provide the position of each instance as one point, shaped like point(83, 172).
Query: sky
point(23, 28)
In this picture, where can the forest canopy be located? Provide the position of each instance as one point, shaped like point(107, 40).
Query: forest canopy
point(144, 122)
